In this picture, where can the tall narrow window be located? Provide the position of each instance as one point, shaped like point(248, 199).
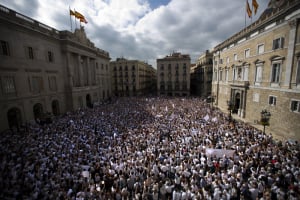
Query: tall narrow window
point(162, 67)
point(247, 53)
point(37, 84)
point(272, 100)
point(8, 84)
point(298, 73)
point(235, 57)
point(295, 106)
point(226, 74)
point(30, 53)
point(52, 83)
point(258, 74)
point(260, 48)
point(278, 43)
point(4, 48)
point(50, 56)
point(275, 73)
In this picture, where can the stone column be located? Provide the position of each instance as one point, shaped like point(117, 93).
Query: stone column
point(89, 71)
point(70, 71)
point(243, 103)
point(290, 53)
point(80, 70)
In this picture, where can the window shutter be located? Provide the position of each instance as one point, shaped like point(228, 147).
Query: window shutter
point(281, 42)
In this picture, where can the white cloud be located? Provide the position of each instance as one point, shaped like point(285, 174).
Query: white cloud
point(132, 29)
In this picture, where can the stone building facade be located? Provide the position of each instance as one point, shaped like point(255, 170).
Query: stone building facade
point(173, 75)
point(43, 70)
point(259, 68)
point(201, 76)
point(132, 77)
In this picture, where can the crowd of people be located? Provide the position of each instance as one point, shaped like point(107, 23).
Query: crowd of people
point(147, 148)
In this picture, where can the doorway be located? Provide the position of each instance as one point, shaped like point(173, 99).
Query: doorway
point(14, 118)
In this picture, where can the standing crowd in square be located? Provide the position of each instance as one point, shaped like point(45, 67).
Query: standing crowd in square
point(147, 148)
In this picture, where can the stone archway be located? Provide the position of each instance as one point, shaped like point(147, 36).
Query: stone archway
point(55, 107)
point(38, 111)
point(14, 118)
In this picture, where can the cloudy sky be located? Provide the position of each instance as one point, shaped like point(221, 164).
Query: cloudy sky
point(145, 29)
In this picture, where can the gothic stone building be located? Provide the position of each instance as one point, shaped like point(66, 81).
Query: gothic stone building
point(259, 68)
point(43, 70)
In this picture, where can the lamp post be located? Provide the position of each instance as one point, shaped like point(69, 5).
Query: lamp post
point(265, 118)
point(212, 100)
point(229, 104)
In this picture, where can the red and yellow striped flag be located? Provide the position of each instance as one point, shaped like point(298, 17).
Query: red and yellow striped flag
point(248, 9)
point(255, 6)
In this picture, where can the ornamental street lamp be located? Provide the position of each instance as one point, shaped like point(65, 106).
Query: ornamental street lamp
point(212, 100)
point(265, 118)
point(230, 105)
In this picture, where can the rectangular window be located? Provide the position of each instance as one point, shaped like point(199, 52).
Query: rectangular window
point(227, 60)
point(260, 48)
point(275, 73)
point(295, 106)
point(30, 53)
point(220, 75)
point(235, 57)
point(278, 43)
point(247, 53)
point(8, 84)
point(239, 73)
point(52, 83)
point(221, 61)
point(226, 75)
point(298, 73)
point(272, 100)
point(50, 56)
point(4, 48)
point(37, 84)
point(215, 76)
point(258, 74)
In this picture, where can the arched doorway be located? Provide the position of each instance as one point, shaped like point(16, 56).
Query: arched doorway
point(14, 118)
point(55, 107)
point(38, 111)
point(237, 103)
point(88, 101)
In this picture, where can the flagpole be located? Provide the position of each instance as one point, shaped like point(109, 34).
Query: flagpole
point(75, 19)
point(252, 11)
point(70, 18)
point(245, 11)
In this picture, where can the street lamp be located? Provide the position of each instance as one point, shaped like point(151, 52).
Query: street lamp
point(265, 118)
point(212, 100)
point(230, 105)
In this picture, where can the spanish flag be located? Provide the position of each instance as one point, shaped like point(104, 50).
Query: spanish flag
point(248, 9)
point(78, 15)
point(255, 6)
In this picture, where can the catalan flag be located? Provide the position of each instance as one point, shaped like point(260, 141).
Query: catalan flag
point(72, 13)
point(83, 20)
point(254, 6)
point(248, 9)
